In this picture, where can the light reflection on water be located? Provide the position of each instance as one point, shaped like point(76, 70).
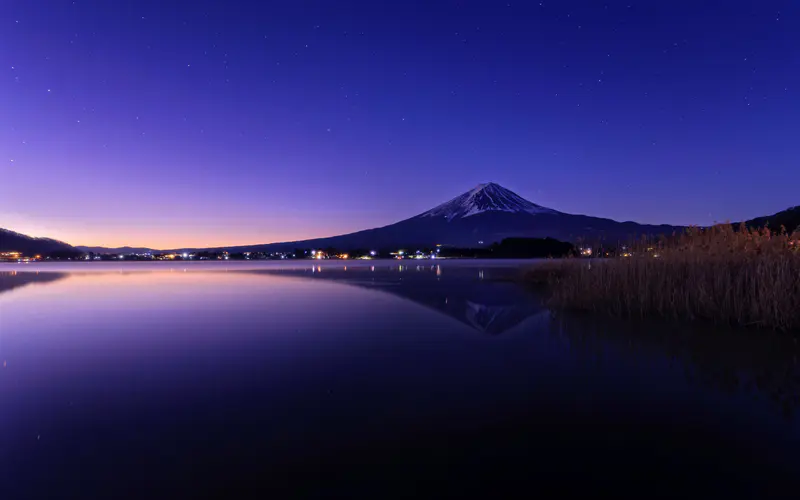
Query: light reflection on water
point(288, 364)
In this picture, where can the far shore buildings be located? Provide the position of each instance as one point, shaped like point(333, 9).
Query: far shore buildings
point(18, 257)
point(10, 256)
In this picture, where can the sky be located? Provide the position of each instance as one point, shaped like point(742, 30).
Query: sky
point(210, 123)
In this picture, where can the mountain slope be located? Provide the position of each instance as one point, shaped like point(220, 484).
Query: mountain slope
point(118, 250)
point(789, 218)
point(11, 241)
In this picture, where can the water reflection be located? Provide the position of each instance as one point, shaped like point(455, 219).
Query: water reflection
point(744, 362)
point(492, 308)
point(9, 280)
point(320, 370)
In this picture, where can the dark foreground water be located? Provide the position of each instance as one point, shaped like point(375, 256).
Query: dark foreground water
point(184, 381)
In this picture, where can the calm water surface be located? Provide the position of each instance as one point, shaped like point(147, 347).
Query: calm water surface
point(185, 380)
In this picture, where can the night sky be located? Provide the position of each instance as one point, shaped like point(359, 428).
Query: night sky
point(169, 124)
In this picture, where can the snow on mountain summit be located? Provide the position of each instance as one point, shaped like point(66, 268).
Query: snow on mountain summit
point(489, 197)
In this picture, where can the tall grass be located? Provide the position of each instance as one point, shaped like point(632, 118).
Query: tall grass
point(744, 277)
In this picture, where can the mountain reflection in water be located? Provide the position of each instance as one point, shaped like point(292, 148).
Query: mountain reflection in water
point(755, 362)
point(485, 300)
point(9, 280)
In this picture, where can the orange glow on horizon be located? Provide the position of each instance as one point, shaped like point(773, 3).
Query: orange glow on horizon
point(166, 238)
point(166, 230)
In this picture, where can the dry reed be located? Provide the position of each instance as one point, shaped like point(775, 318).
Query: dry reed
point(744, 277)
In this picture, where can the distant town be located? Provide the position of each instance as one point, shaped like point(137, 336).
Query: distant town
point(508, 248)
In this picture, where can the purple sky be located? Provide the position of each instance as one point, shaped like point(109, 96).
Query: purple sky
point(217, 123)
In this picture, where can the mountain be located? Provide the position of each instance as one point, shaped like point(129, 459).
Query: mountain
point(484, 215)
point(118, 250)
point(11, 241)
point(789, 218)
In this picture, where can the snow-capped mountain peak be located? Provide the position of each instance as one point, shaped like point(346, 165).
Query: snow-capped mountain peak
point(489, 197)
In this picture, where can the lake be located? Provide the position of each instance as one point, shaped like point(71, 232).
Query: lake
point(371, 378)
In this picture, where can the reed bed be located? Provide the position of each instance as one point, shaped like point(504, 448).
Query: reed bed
point(744, 277)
